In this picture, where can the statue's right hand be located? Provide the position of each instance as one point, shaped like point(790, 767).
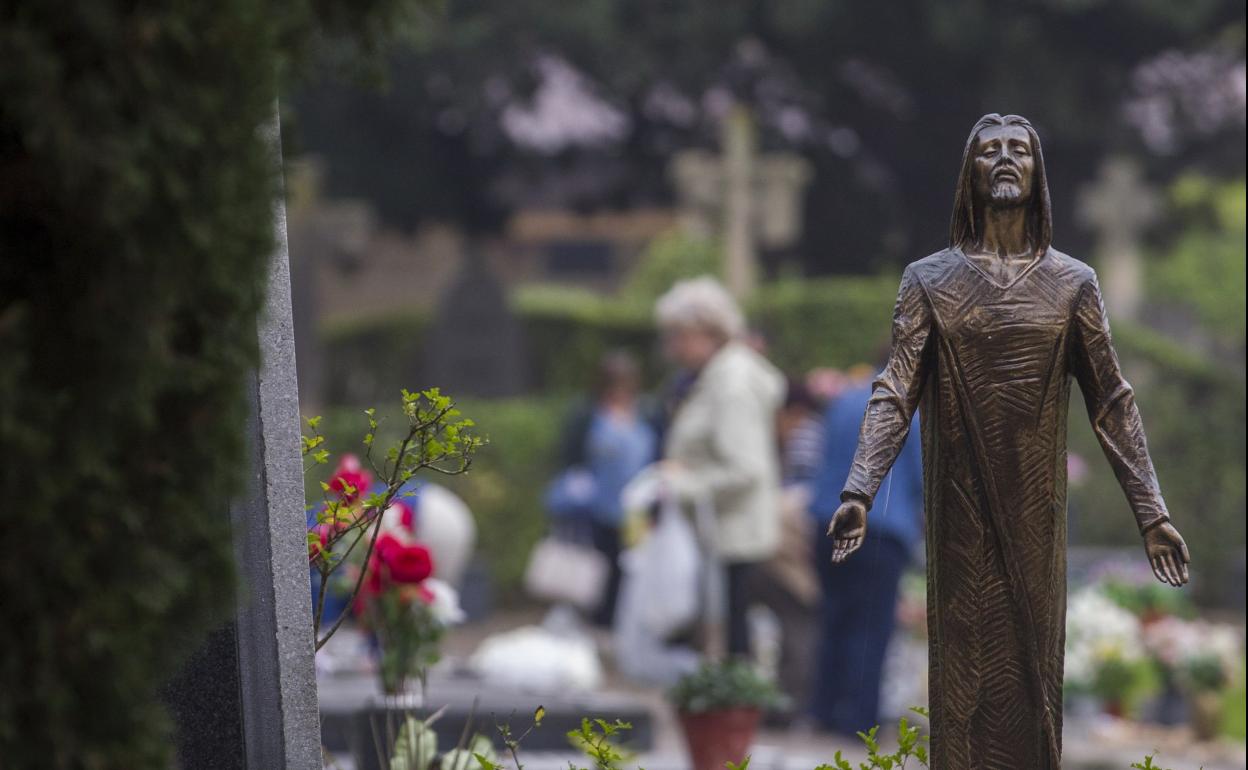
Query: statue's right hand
point(848, 527)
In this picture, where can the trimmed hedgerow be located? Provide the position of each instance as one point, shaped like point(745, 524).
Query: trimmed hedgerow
point(136, 191)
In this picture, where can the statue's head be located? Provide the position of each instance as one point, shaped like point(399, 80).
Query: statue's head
point(1002, 167)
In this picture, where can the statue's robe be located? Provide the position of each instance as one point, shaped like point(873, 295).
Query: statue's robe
point(989, 367)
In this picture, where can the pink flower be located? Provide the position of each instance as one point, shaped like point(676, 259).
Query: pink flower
point(407, 516)
point(350, 475)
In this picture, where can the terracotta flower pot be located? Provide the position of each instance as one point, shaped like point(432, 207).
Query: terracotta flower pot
point(718, 737)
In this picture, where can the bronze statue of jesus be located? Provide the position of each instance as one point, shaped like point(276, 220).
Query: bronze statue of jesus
point(987, 335)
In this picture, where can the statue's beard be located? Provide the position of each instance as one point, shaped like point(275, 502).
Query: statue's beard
point(1006, 194)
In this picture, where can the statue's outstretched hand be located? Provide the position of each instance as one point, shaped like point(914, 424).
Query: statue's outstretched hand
point(849, 525)
point(1167, 554)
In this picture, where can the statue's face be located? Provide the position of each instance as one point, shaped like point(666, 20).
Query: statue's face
point(1004, 166)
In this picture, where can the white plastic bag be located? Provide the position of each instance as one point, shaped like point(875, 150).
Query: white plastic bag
point(562, 571)
point(666, 567)
point(638, 654)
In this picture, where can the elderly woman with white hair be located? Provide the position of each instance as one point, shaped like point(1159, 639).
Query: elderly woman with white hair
point(721, 445)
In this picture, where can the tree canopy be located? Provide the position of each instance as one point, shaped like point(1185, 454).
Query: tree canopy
point(879, 96)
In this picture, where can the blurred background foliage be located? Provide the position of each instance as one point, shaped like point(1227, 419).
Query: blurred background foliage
point(1193, 402)
point(876, 96)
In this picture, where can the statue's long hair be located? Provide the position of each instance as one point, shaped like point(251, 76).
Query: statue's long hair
point(964, 229)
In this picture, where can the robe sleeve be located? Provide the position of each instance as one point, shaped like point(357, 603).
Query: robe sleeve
point(1111, 408)
point(894, 394)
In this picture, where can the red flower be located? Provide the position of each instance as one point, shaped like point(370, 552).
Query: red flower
point(350, 474)
point(395, 565)
point(394, 561)
point(409, 563)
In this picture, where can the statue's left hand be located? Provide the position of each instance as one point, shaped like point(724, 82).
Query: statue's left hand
point(1167, 554)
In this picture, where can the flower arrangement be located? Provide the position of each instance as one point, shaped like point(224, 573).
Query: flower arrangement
point(1202, 660)
point(346, 527)
point(1202, 657)
point(402, 604)
point(1129, 637)
point(1104, 652)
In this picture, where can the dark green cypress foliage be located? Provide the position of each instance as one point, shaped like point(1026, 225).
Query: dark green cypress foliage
point(135, 223)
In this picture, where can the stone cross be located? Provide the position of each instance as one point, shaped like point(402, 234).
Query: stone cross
point(745, 198)
point(740, 262)
point(247, 699)
point(1119, 207)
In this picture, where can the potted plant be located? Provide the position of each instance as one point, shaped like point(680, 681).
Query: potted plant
point(1205, 679)
point(720, 706)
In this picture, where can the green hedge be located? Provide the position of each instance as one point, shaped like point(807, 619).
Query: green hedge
point(136, 200)
point(371, 359)
point(1193, 410)
point(825, 322)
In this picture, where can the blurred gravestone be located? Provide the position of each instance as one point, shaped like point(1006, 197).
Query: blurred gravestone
point(322, 234)
point(246, 700)
point(476, 343)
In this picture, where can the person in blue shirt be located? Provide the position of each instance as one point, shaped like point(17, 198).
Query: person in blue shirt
point(606, 443)
point(860, 597)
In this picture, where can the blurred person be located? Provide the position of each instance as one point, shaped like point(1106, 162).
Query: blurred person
point(606, 443)
point(859, 603)
point(788, 584)
point(800, 431)
point(720, 446)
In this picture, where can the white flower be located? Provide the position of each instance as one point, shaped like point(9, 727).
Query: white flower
point(445, 602)
point(534, 658)
point(1097, 631)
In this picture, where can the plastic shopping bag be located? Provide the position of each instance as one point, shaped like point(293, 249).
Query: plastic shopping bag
point(666, 567)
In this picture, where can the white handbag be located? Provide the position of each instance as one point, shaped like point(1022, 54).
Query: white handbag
point(566, 572)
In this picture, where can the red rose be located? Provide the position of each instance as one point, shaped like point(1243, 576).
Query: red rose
point(408, 563)
point(387, 544)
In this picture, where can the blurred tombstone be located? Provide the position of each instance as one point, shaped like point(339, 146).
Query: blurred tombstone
point(750, 201)
point(247, 698)
point(1119, 206)
point(476, 344)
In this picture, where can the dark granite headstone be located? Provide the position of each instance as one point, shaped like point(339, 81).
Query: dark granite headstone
point(247, 699)
point(475, 345)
